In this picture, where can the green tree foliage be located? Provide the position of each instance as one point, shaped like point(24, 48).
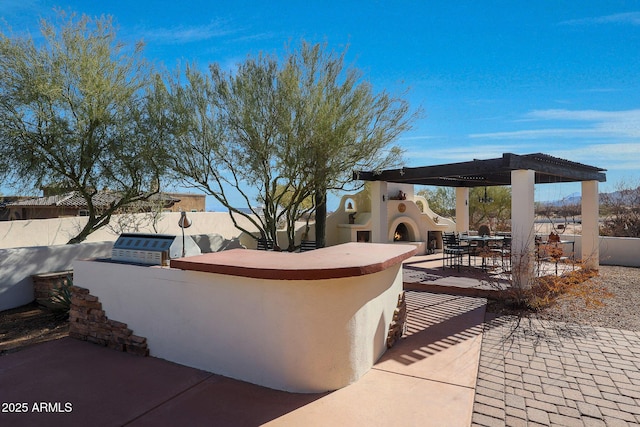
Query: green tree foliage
point(442, 200)
point(291, 130)
point(74, 112)
point(345, 125)
point(228, 140)
point(496, 212)
point(494, 209)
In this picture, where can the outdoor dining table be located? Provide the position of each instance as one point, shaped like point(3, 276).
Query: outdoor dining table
point(483, 241)
point(559, 256)
point(482, 238)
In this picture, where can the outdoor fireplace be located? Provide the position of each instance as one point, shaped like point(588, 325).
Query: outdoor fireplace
point(401, 234)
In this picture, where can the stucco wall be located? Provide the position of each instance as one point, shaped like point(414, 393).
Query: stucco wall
point(300, 336)
point(58, 231)
point(17, 265)
point(624, 251)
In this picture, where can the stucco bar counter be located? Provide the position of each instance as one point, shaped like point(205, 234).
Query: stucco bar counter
point(301, 322)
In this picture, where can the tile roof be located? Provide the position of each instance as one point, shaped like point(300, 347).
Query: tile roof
point(101, 199)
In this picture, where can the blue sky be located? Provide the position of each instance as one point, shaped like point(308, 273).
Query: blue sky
point(560, 78)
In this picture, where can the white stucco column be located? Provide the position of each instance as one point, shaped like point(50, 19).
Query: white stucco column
point(590, 226)
point(379, 216)
point(522, 231)
point(462, 209)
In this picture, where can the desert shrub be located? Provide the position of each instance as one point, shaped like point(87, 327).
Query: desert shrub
point(60, 295)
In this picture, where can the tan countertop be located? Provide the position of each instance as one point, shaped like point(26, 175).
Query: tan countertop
point(346, 260)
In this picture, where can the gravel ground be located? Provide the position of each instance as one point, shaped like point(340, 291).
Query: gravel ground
point(621, 310)
point(30, 324)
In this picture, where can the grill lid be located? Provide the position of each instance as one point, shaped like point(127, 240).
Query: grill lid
point(151, 249)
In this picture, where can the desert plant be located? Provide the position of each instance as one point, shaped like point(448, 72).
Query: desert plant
point(60, 295)
point(620, 212)
point(539, 290)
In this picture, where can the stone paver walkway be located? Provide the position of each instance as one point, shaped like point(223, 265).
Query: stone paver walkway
point(552, 374)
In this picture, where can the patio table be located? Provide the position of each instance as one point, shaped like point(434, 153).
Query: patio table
point(557, 243)
point(482, 241)
point(560, 242)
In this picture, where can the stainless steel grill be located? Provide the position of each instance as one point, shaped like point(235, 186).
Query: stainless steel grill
point(151, 249)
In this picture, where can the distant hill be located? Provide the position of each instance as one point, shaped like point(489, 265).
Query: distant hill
point(576, 198)
point(572, 199)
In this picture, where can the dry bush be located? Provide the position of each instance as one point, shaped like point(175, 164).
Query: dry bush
point(539, 291)
point(548, 290)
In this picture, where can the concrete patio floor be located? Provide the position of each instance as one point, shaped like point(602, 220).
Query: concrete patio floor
point(454, 367)
point(428, 378)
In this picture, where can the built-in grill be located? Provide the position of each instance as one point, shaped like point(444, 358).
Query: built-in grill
point(152, 249)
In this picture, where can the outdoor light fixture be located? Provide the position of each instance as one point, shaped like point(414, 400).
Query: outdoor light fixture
point(183, 223)
point(485, 198)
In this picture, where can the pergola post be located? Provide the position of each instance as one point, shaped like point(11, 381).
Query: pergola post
point(379, 216)
point(590, 225)
point(462, 209)
point(522, 231)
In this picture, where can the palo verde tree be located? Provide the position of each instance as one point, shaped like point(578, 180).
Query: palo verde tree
point(76, 112)
point(442, 200)
point(494, 210)
point(288, 130)
point(492, 207)
point(344, 125)
point(228, 140)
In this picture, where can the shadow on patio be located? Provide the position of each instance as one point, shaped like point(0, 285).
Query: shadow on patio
point(426, 273)
point(435, 323)
point(429, 375)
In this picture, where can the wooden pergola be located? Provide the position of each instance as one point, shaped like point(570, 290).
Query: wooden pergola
point(490, 172)
point(521, 172)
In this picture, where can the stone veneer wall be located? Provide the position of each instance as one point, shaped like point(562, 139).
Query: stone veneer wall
point(45, 284)
point(398, 324)
point(88, 322)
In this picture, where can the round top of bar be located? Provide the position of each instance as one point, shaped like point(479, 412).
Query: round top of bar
point(346, 260)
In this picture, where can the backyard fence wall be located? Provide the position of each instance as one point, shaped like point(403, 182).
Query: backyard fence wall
point(58, 231)
point(17, 265)
point(621, 251)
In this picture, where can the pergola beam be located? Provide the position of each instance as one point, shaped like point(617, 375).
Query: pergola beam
point(522, 172)
point(491, 172)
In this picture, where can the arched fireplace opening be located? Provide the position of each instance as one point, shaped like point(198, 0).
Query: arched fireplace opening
point(401, 234)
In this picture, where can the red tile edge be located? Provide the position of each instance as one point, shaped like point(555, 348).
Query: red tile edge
point(347, 260)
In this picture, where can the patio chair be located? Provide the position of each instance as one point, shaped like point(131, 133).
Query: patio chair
point(307, 245)
point(265, 244)
point(551, 251)
point(504, 252)
point(453, 251)
point(554, 252)
point(484, 230)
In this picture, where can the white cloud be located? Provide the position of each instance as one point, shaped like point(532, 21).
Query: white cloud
point(574, 124)
point(187, 34)
point(445, 153)
point(618, 156)
point(535, 134)
point(632, 18)
point(559, 114)
point(418, 138)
